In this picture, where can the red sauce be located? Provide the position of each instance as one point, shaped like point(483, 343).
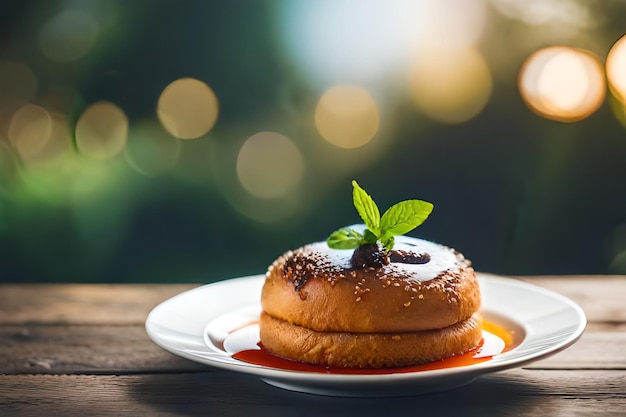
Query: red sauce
point(479, 354)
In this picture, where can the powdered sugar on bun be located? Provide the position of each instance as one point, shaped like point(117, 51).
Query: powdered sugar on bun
point(442, 259)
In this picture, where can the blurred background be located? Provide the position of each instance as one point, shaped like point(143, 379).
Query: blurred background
point(193, 141)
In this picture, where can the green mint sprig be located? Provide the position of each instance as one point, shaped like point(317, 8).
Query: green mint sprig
point(399, 219)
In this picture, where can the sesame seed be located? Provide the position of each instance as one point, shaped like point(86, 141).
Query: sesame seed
point(408, 303)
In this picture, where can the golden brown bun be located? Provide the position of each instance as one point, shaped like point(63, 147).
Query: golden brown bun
point(368, 350)
point(319, 308)
point(310, 288)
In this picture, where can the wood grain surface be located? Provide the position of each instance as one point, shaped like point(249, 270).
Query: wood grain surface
point(82, 350)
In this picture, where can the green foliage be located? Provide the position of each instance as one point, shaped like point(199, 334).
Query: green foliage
point(399, 219)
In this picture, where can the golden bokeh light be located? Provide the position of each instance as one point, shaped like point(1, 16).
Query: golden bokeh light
point(347, 116)
point(188, 108)
point(18, 85)
point(616, 69)
point(562, 83)
point(269, 165)
point(450, 85)
point(59, 142)
point(102, 131)
point(68, 35)
point(152, 151)
point(30, 129)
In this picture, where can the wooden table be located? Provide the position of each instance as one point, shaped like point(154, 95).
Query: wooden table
point(81, 350)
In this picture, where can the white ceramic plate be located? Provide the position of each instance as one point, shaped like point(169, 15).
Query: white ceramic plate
point(195, 324)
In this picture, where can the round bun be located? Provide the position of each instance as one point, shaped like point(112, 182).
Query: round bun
point(368, 350)
point(421, 306)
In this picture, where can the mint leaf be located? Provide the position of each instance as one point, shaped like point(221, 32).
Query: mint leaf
point(404, 216)
point(387, 242)
point(367, 209)
point(369, 237)
point(399, 219)
point(345, 238)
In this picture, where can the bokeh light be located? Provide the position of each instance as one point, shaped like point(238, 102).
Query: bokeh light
point(187, 108)
point(347, 116)
point(152, 151)
point(59, 142)
point(563, 83)
point(616, 69)
point(450, 85)
point(102, 131)
point(269, 165)
point(18, 85)
point(30, 129)
point(68, 35)
point(367, 42)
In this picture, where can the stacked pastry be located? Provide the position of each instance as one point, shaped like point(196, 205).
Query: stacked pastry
point(324, 306)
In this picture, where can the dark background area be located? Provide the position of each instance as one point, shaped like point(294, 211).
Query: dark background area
point(516, 192)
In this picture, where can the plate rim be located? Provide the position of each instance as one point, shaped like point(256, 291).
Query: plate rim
point(470, 371)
